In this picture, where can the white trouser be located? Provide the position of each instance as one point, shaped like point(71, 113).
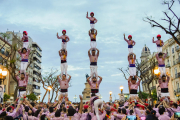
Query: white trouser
point(64, 94)
point(64, 45)
point(25, 44)
point(93, 69)
point(165, 94)
point(23, 66)
point(98, 103)
point(21, 94)
point(162, 70)
point(132, 71)
point(97, 94)
point(133, 96)
point(130, 50)
point(64, 67)
point(159, 49)
point(92, 25)
point(93, 44)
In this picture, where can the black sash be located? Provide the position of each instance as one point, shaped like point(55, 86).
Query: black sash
point(63, 61)
point(94, 90)
point(22, 88)
point(94, 99)
point(133, 91)
point(93, 39)
point(93, 63)
point(164, 90)
point(64, 90)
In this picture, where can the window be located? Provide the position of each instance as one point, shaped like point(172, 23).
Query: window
point(172, 49)
point(1, 60)
point(3, 50)
point(4, 88)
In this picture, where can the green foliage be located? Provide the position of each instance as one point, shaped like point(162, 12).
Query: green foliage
point(6, 97)
point(154, 94)
point(32, 97)
point(144, 95)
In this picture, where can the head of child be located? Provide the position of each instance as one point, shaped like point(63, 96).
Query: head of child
point(161, 110)
point(63, 52)
point(130, 37)
point(24, 33)
point(133, 80)
point(131, 56)
point(92, 14)
point(64, 32)
point(123, 111)
point(9, 109)
point(93, 52)
point(92, 31)
point(159, 37)
point(22, 76)
point(160, 55)
point(63, 76)
point(174, 105)
point(94, 79)
point(24, 50)
point(163, 78)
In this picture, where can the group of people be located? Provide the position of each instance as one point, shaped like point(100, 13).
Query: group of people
point(66, 110)
point(24, 53)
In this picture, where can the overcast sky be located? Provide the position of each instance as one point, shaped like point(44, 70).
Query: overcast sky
point(42, 19)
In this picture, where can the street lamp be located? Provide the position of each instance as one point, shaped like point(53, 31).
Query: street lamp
point(110, 98)
point(39, 98)
point(75, 98)
point(3, 74)
point(156, 71)
point(49, 89)
point(121, 88)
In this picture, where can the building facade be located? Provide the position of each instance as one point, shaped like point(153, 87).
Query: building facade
point(35, 67)
point(172, 61)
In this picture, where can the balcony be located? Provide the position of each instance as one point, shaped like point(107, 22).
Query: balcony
point(168, 65)
point(36, 90)
point(37, 83)
point(174, 62)
point(143, 82)
point(178, 60)
point(152, 88)
point(171, 42)
point(178, 90)
point(167, 55)
point(177, 48)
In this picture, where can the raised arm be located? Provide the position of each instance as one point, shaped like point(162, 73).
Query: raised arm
point(59, 79)
point(165, 54)
point(89, 80)
point(97, 52)
point(81, 104)
point(28, 51)
point(89, 32)
point(157, 56)
point(95, 32)
point(26, 78)
point(60, 53)
point(134, 56)
point(17, 77)
point(129, 81)
point(100, 79)
point(87, 15)
point(19, 51)
point(153, 40)
point(66, 52)
point(95, 21)
point(128, 57)
point(69, 77)
point(168, 78)
point(89, 53)
point(159, 81)
point(125, 38)
point(58, 36)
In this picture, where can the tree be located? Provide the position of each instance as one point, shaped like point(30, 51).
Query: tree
point(32, 97)
point(6, 97)
point(154, 94)
point(144, 95)
point(172, 20)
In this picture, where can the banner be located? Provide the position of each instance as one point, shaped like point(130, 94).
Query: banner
point(1, 93)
